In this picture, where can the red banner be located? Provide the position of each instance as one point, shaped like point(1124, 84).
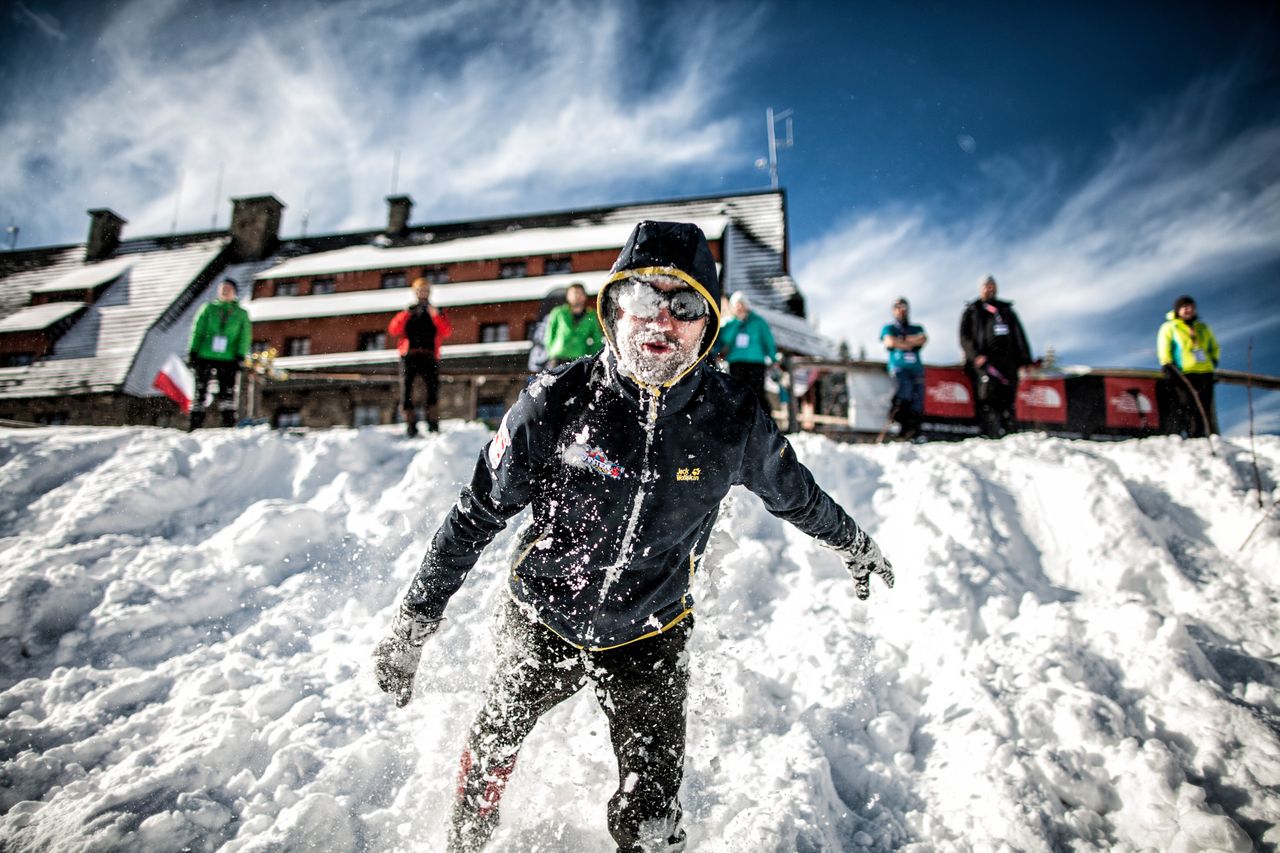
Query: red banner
point(1131, 402)
point(947, 393)
point(1042, 401)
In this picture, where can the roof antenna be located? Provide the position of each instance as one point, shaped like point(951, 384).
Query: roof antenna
point(771, 122)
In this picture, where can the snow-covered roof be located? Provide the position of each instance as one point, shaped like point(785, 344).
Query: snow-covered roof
point(508, 244)
point(448, 295)
point(87, 277)
point(38, 317)
point(796, 334)
point(390, 356)
point(96, 354)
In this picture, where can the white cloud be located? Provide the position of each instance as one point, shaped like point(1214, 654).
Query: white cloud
point(490, 105)
point(1181, 197)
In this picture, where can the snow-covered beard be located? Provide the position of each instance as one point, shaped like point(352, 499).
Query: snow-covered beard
point(651, 368)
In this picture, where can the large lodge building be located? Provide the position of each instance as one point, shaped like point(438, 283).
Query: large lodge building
point(85, 328)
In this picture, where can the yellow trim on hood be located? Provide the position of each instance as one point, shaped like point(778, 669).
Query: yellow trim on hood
point(672, 272)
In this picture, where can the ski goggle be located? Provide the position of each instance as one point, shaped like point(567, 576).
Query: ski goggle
point(643, 299)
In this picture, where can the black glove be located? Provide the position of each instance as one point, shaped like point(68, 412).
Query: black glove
point(395, 659)
point(862, 558)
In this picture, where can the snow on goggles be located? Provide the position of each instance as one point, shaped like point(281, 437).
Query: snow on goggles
point(643, 299)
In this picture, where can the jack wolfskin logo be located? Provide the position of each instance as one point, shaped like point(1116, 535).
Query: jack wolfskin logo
point(688, 474)
point(594, 458)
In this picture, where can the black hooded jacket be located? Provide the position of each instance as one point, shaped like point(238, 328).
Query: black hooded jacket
point(625, 482)
point(994, 330)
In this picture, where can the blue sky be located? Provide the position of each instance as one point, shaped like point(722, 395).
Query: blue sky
point(1098, 159)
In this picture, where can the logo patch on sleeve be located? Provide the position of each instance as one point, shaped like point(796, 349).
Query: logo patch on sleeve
point(498, 447)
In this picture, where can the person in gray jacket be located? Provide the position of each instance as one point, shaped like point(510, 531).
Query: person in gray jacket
point(642, 441)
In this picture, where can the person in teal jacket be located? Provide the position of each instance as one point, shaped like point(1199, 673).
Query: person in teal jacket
point(746, 343)
point(220, 340)
point(572, 330)
point(1189, 355)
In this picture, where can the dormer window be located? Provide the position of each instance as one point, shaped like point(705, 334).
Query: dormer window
point(392, 280)
point(557, 266)
point(512, 269)
point(321, 286)
point(286, 288)
point(436, 275)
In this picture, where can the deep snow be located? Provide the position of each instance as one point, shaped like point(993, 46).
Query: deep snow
point(1077, 655)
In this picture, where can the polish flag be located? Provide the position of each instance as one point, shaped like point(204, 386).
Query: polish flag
point(176, 382)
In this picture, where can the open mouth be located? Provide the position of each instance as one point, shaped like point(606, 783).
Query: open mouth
point(658, 347)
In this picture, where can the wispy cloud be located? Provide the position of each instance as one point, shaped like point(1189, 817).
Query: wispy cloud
point(45, 23)
point(489, 106)
point(1183, 195)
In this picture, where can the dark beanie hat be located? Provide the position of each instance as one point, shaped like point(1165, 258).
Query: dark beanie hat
point(1183, 300)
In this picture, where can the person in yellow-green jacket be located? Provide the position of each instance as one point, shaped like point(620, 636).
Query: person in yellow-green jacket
point(1189, 355)
point(220, 340)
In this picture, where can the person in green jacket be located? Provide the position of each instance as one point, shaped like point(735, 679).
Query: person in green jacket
point(572, 330)
point(746, 343)
point(220, 340)
point(1189, 355)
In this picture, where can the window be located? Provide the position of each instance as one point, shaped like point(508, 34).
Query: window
point(363, 416)
point(260, 346)
point(320, 286)
point(297, 346)
point(287, 418)
point(556, 266)
point(511, 269)
point(436, 275)
point(393, 279)
point(286, 288)
point(492, 333)
point(54, 418)
point(490, 409)
point(17, 359)
point(371, 341)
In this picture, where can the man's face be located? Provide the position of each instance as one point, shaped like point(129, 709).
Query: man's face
point(422, 289)
point(1187, 312)
point(740, 310)
point(227, 292)
point(900, 312)
point(576, 298)
point(987, 290)
point(653, 345)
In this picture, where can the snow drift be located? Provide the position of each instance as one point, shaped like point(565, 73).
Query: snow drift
point(1077, 655)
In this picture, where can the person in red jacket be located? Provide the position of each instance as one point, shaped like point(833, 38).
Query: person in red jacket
point(421, 327)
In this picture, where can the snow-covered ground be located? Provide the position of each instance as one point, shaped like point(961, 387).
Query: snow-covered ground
point(1077, 656)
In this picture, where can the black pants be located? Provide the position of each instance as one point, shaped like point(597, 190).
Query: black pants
point(641, 687)
point(994, 402)
point(1186, 416)
point(225, 372)
point(419, 365)
point(752, 374)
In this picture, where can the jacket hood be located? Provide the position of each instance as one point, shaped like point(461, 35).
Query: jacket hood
point(676, 249)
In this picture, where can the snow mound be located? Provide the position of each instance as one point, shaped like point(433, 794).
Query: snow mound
point(1078, 654)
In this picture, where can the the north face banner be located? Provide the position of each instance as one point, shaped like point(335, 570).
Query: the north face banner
point(947, 393)
point(1042, 401)
point(1130, 403)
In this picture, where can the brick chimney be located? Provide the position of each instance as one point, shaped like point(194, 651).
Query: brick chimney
point(398, 207)
point(255, 226)
point(104, 234)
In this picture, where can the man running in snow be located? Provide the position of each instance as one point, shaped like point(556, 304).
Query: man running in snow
point(625, 458)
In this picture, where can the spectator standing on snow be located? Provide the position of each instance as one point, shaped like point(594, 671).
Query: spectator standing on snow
point(746, 343)
point(220, 341)
point(995, 352)
point(904, 340)
point(421, 328)
point(1189, 355)
point(572, 330)
point(625, 458)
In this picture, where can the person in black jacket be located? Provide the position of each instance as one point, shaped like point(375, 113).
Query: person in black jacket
point(995, 352)
point(625, 457)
